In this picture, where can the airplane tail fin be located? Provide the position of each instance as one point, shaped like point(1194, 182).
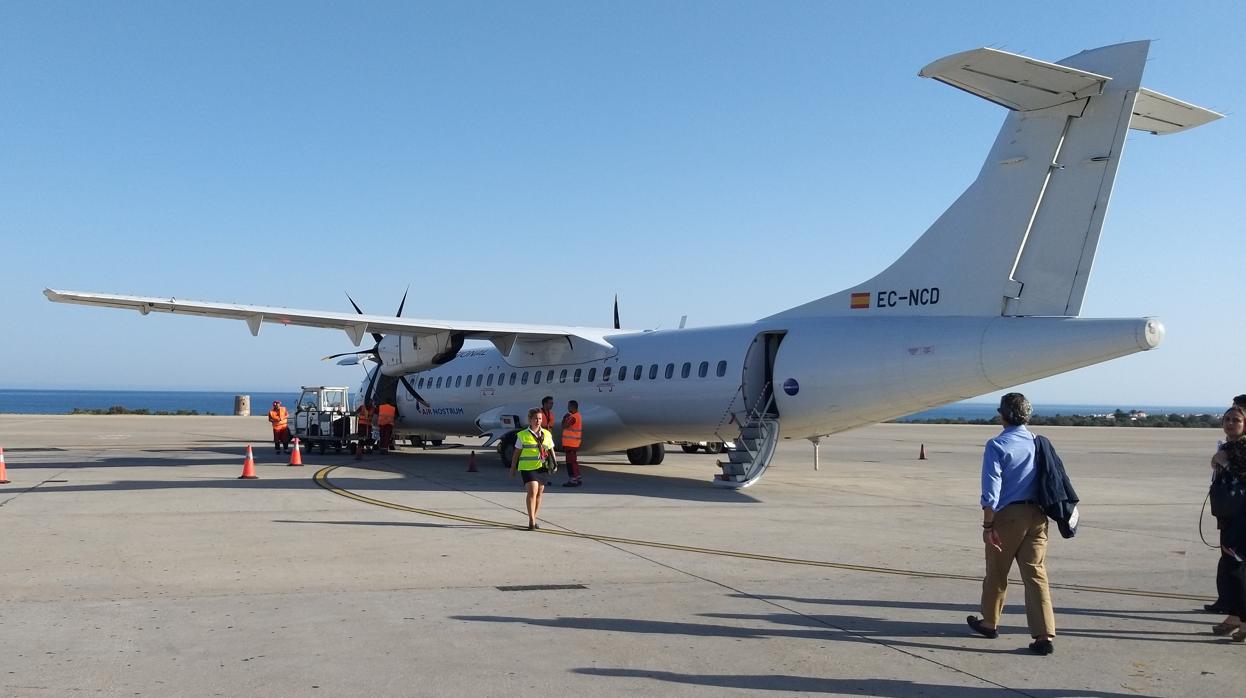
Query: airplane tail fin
point(1022, 238)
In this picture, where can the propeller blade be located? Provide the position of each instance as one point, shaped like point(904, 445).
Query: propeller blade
point(375, 335)
point(371, 351)
point(411, 389)
point(404, 302)
point(616, 312)
point(370, 393)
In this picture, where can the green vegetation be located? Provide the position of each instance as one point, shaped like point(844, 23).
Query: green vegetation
point(119, 409)
point(1120, 418)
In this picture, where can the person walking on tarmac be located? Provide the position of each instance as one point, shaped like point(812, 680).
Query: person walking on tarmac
point(532, 446)
point(572, 431)
point(386, 414)
point(279, 417)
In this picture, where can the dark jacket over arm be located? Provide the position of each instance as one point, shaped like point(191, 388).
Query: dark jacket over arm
point(1056, 495)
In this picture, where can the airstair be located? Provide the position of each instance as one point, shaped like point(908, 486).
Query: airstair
point(752, 450)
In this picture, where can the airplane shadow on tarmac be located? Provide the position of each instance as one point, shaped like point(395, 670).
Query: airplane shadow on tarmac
point(828, 629)
point(1138, 615)
point(418, 471)
point(888, 688)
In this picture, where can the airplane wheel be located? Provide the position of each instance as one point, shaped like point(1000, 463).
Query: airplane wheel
point(657, 452)
point(337, 448)
point(639, 455)
point(688, 448)
point(322, 448)
point(437, 442)
point(713, 447)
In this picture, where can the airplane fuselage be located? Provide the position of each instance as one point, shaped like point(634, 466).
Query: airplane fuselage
point(826, 375)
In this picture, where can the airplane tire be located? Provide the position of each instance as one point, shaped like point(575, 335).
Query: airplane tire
point(639, 455)
point(688, 448)
point(713, 447)
point(657, 453)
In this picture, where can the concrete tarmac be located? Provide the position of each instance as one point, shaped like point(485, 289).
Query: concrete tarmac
point(134, 562)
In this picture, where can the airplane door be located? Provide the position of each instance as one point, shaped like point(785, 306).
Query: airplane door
point(758, 379)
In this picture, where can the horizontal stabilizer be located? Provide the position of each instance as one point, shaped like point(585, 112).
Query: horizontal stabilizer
point(1015, 81)
point(1161, 114)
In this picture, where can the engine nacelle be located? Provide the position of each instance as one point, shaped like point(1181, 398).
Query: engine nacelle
point(401, 355)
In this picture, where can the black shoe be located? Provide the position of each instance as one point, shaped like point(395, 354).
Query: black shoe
point(1216, 607)
point(531, 527)
point(976, 623)
point(1043, 647)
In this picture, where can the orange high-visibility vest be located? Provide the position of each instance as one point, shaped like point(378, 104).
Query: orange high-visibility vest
point(385, 415)
point(571, 425)
point(365, 417)
point(278, 417)
point(547, 420)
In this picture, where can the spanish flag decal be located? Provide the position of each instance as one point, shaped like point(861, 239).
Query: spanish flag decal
point(860, 300)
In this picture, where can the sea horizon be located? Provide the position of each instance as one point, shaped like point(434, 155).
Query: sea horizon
point(221, 402)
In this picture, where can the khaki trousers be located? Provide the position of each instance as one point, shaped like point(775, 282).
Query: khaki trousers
point(1022, 530)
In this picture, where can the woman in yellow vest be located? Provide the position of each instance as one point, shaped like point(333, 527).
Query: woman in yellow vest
point(532, 446)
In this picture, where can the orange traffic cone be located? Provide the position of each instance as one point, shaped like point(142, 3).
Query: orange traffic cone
point(471, 463)
point(921, 455)
point(295, 457)
point(248, 467)
point(4, 479)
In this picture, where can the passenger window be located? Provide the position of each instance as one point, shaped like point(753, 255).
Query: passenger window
point(479, 378)
point(622, 373)
point(549, 376)
point(562, 377)
point(501, 379)
point(605, 374)
point(490, 379)
point(670, 371)
point(523, 380)
point(637, 371)
point(686, 370)
point(420, 384)
point(653, 372)
point(514, 377)
point(722, 368)
point(536, 378)
point(458, 382)
point(575, 378)
point(469, 382)
point(703, 370)
point(438, 381)
point(592, 374)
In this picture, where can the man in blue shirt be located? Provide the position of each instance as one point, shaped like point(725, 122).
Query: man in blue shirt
point(1014, 527)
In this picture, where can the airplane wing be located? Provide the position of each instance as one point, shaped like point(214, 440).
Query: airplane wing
point(355, 326)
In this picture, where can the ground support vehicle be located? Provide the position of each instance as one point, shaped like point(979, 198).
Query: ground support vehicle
point(324, 418)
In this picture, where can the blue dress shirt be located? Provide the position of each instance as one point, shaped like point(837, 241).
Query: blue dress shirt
point(1008, 473)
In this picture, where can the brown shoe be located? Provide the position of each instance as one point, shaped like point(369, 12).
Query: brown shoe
point(976, 623)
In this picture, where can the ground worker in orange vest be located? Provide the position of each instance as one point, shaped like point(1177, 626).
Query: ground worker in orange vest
point(572, 430)
point(279, 418)
point(386, 414)
point(364, 432)
point(547, 413)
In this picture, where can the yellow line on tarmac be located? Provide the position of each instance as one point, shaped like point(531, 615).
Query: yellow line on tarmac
point(322, 478)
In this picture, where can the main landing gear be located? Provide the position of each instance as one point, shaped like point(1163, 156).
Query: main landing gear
point(646, 455)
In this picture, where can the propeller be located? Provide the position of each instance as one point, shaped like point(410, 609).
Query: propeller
point(616, 312)
point(374, 354)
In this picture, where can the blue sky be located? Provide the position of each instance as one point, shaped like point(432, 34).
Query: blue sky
point(722, 160)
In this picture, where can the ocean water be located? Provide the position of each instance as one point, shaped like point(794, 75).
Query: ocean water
point(222, 402)
point(204, 402)
point(986, 410)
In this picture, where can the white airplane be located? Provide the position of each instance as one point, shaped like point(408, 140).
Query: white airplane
point(987, 298)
